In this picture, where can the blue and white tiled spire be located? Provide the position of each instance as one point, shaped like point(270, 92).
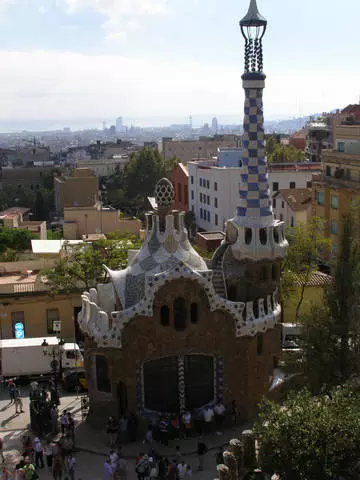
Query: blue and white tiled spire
point(254, 233)
point(255, 205)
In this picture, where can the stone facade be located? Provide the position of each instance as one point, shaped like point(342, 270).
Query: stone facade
point(247, 372)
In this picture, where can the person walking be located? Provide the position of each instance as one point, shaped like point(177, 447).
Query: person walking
point(39, 453)
point(70, 466)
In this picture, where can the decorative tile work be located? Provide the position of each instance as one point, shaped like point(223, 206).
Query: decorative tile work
point(220, 378)
point(95, 322)
point(255, 201)
point(181, 383)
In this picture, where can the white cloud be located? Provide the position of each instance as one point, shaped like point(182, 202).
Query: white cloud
point(119, 15)
point(68, 86)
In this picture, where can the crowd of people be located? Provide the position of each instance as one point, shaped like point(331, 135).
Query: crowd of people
point(164, 428)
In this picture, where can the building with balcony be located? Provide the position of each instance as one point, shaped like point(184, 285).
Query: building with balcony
point(25, 299)
point(213, 190)
point(338, 188)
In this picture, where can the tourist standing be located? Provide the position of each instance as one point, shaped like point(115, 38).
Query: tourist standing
point(64, 422)
point(11, 387)
point(208, 418)
point(186, 422)
point(163, 430)
point(70, 465)
point(28, 469)
point(39, 453)
point(18, 401)
point(49, 454)
point(111, 429)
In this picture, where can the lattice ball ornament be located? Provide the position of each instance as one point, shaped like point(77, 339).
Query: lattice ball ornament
point(164, 193)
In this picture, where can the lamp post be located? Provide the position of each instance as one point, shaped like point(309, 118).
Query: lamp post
point(55, 352)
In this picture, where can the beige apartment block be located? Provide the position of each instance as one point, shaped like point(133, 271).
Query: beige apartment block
point(204, 148)
point(80, 189)
point(85, 221)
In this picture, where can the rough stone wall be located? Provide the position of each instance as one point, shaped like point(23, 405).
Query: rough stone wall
point(246, 375)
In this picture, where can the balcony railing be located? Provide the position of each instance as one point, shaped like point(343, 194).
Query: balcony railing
point(18, 288)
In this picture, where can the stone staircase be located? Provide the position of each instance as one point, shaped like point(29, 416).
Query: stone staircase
point(218, 276)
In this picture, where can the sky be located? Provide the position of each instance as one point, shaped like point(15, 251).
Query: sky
point(78, 62)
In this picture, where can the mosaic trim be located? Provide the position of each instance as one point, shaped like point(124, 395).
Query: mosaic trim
point(220, 378)
point(140, 392)
point(181, 383)
point(95, 322)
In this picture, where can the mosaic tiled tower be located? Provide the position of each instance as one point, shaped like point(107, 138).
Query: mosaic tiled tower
point(254, 233)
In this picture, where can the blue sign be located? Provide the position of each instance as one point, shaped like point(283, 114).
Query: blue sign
point(19, 330)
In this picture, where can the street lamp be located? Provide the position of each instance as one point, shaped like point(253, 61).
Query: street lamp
point(55, 351)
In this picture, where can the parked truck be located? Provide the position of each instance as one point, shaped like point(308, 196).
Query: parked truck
point(25, 357)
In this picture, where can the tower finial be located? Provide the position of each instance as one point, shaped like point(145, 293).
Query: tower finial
point(253, 27)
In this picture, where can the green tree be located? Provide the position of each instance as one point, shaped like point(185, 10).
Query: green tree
point(306, 244)
point(81, 266)
point(311, 437)
point(16, 239)
point(332, 331)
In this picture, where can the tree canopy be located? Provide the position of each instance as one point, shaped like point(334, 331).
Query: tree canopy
point(311, 437)
point(13, 241)
point(81, 266)
point(276, 152)
point(127, 189)
point(332, 331)
point(306, 244)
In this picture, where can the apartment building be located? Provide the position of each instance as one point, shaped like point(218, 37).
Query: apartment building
point(79, 189)
point(214, 190)
point(203, 148)
point(293, 206)
point(338, 188)
point(104, 167)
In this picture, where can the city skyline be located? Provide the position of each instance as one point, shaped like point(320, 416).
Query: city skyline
point(71, 61)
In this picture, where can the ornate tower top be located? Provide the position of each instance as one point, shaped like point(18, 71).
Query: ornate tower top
point(253, 27)
point(164, 195)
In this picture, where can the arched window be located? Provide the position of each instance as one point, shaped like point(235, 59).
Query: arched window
point(276, 235)
point(194, 313)
point(263, 236)
point(248, 236)
point(102, 374)
point(256, 309)
point(179, 314)
point(164, 316)
point(260, 344)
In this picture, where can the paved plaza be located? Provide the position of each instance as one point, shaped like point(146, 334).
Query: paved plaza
point(91, 443)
